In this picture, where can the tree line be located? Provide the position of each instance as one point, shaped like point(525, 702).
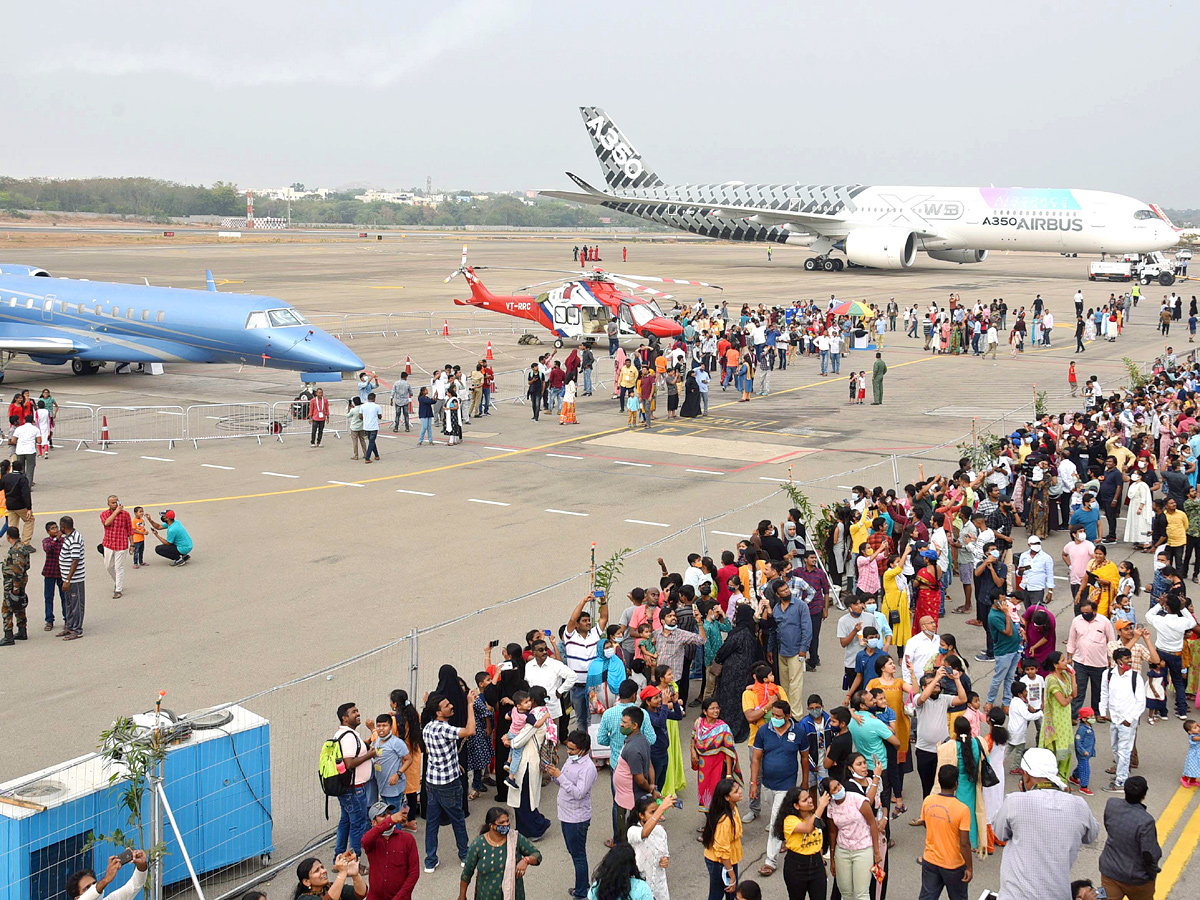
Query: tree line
point(155, 200)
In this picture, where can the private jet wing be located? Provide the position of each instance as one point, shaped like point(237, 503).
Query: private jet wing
point(818, 223)
point(38, 346)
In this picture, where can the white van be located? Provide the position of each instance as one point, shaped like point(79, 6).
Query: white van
point(1110, 271)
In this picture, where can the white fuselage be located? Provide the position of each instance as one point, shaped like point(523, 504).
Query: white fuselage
point(1075, 221)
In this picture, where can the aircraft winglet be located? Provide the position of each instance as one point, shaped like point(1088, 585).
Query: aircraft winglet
point(212, 285)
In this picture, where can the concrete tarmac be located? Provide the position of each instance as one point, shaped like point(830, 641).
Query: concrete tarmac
point(305, 557)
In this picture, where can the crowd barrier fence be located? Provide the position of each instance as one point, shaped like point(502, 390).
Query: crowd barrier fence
point(137, 424)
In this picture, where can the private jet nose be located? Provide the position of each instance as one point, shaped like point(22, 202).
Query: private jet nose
point(324, 353)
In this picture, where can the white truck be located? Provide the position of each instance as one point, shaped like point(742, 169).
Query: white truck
point(1148, 267)
point(1110, 271)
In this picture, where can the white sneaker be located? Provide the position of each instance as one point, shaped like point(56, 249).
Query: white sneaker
point(429, 869)
point(749, 817)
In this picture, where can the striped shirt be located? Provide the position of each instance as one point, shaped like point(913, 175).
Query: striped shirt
point(581, 650)
point(72, 551)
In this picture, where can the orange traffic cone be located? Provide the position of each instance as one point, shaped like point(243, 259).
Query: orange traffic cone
point(445, 328)
point(408, 365)
point(489, 351)
point(104, 432)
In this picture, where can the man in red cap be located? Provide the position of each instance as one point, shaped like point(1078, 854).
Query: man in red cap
point(177, 544)
point(656, 713)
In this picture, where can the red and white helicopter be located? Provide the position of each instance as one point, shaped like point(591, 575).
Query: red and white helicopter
point(579, 309)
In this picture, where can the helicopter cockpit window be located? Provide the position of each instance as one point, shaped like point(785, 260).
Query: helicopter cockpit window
point(642, 314)
point(626, 317)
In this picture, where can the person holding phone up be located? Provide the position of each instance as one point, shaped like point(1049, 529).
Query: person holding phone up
point(83, 885)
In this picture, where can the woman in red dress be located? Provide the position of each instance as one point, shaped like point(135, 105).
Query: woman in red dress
point(929, 588)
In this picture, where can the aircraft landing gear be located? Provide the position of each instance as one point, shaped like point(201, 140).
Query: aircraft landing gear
point(84, 367)
point(558, 342)
point(823, 263)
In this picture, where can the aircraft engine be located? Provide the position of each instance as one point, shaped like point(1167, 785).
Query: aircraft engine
point(881, 248)
point(14, 269)
point(958, 256)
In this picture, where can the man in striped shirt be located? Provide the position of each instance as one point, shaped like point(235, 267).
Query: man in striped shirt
point(580, 641)
point(71, 564)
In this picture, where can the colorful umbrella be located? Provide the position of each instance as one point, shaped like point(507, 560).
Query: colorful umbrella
point(853, 308)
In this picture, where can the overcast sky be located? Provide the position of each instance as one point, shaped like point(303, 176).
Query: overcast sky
point(485, 93)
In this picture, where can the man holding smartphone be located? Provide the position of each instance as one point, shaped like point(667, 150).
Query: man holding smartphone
point(82, 885)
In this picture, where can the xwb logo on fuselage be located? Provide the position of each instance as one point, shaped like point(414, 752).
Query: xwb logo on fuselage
point(613, 141)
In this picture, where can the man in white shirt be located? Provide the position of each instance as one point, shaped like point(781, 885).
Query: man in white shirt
point(372, 412)
point(939, 540)
point(581, 640)
point(993, 340)
point(1122, 700)
point(554, 676)
point(26, 439)
point(835, 350)
point(1037, 573)
point(82, 885)
point(357, 755)
point(823, 349)
point(919, 650)
point(1047, 327)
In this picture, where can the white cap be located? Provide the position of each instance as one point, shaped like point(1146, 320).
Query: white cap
point(1038, 762)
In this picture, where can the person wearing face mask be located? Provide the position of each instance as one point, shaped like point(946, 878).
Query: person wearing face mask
point(392, 854)
point(575, 781)
point(864, 662)
point(499, 857)
point(992, 576)
point(1122, 700)
point(1037, 571)
point(775, 769)
point(919, 650)
point(1005, 637)
point(854, 839)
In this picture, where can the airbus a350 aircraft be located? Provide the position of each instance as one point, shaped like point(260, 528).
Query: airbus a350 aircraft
point(879, 226)
point(59, 320)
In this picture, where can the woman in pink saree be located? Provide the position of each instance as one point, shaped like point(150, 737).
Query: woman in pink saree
point(714, 755)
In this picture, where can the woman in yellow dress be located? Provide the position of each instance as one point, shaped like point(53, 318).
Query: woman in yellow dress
point(1103, 579)
point(895, 600)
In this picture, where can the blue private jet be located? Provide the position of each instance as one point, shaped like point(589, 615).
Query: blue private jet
point(54, 321)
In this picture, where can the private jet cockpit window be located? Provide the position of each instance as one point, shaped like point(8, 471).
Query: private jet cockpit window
point(284, 317)
point(257, 320)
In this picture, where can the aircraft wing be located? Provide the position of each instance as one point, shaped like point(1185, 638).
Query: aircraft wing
point(39, 346)
point(819, 223)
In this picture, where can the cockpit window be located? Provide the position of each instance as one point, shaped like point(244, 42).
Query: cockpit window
point(282, 317)
point(257, 320)
point(1143, 214)
point(641, 314)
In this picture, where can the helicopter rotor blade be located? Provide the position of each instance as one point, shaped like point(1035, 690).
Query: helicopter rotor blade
point(658, 280)
point(663, 295)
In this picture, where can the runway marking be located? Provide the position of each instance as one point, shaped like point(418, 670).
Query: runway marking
point(501, 449)
point(704, 471)
point(566, 512)
point(386, 287)
point(779, 480)
point(158, 458)
point(563, 456)
point(1170, 817)
point(105, 452)
point(348, 483)
point(212, 466)
point(641, 522)
point(1181, 853)
point(417, 493)
point(728, 534)
point(621, 462)
point(488, 502)
point(280, 475)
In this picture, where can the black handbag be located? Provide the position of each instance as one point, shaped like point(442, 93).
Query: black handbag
point(987, 775)
point(893, 617)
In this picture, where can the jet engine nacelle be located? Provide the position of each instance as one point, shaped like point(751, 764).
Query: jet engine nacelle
point(882, 248)
point(14, 269)
point(958, 256)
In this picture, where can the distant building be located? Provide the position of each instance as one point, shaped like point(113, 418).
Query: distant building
point(288, 193)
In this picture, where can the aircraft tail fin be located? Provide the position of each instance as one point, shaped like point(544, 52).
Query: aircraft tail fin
point(623, 166)
point(212, 285)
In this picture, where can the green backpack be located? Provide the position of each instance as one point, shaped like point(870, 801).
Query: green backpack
point(336, 779)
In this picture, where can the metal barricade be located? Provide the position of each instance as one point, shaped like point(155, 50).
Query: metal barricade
point(211, 421)
point(291, 417)
point(365, 323)
point(401, 322)
point(509, 386)
point(132, 424)
point(74, 424)
point(329, 323)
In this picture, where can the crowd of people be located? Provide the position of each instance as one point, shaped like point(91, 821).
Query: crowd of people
point(694, 696)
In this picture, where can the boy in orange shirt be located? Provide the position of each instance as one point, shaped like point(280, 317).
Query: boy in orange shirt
point(137, 543)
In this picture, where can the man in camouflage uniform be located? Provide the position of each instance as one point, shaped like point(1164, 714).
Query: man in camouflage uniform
point(16, 577)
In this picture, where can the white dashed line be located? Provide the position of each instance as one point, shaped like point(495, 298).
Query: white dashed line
point(621, 462)
point(387, 437)
point(105, 452)
point(348, 483)
point(566, 512)
point(158, 458)
point(728, 534)
point(501, 449)
point(563, 456)
point(845, 487)
point(211, 466)
point(488, 502)
point(640, 522)
point(280, 475)
point(416, 493)
point(779, 480)
point(704, 471)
